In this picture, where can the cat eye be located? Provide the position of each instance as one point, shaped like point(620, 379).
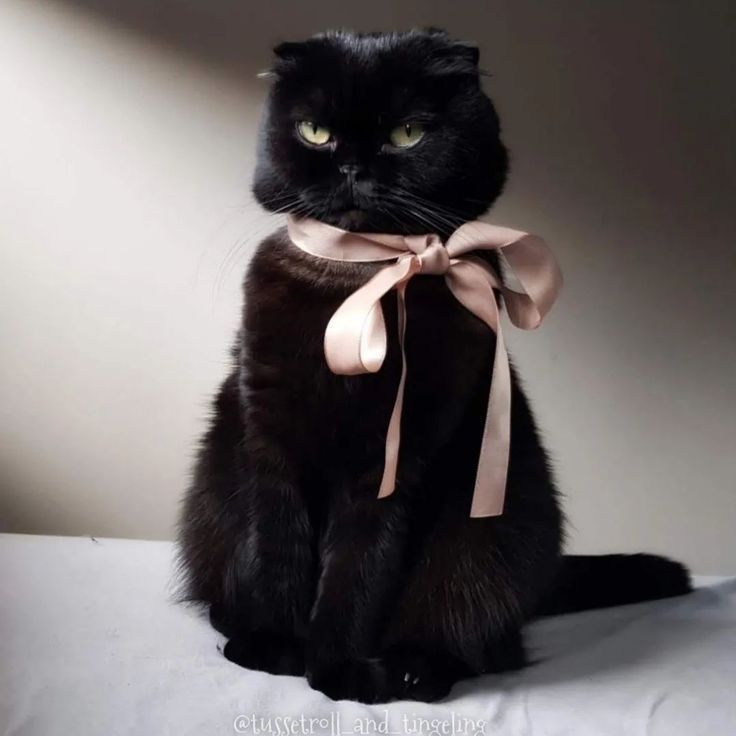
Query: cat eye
point(406, 135)
point(314, 134)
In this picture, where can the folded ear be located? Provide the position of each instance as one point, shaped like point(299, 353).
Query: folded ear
point(289, 50)
point(468, 51)
point(435, 31)
point(288, 55)
point(455, 58)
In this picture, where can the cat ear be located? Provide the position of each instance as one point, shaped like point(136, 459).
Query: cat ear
point(288, 54)
point(290, 50)
point(455, 58)
point(469, 52)
point(436, 32)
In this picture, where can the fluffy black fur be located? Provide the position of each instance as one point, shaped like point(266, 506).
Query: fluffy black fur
point(282, 536)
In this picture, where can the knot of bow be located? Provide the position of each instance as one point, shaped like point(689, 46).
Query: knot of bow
point(430, 255)
point(355, 339)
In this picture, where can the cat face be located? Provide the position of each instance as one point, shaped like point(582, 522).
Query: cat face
point(380, 132)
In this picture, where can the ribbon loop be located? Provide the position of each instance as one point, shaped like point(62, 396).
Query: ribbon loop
point(355, 339)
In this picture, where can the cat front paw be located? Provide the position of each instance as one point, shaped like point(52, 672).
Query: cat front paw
point(278, 654)
point(422, 681)
point(400, 674)
point(364, 680)
point(424, 677)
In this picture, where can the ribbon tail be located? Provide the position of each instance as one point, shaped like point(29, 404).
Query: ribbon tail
point(493, 462)
point(472, 284)
point(355, 342)
point(393, 434)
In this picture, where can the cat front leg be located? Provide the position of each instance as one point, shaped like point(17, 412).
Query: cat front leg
point(269, 579)
point(245, 541)
point(363, 565)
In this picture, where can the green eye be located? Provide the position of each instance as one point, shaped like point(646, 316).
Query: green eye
point(407, 135)
point(312, 133)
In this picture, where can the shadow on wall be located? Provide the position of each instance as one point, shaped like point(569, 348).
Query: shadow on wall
point(238, 35)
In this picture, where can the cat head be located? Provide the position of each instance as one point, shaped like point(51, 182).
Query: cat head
point(379, 132)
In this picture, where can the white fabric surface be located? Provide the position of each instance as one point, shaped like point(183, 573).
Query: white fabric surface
point(90, 643)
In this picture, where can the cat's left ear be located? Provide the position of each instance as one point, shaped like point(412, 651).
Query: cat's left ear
point(469, 52)
point(456, 58)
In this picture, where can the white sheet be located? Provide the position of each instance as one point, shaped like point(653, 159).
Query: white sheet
point(90, 644)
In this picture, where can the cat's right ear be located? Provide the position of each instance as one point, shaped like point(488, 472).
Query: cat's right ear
point(290, 50)
point(288, 55)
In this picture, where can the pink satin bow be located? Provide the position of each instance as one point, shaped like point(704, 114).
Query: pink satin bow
point(355, 338)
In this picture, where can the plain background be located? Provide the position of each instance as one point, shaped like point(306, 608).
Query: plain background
point(127, 137)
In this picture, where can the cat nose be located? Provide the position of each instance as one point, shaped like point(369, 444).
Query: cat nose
point(349, 169)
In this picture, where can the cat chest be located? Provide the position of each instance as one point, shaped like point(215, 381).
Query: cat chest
point(447, 351)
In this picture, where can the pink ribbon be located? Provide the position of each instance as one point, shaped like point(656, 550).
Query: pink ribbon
point(355, 338)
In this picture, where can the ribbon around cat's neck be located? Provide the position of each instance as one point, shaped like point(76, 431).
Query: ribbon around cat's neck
point(355, 338)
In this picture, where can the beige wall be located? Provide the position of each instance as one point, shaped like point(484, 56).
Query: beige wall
point(126, 147)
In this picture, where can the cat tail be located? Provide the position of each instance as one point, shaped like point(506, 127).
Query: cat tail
point(601, 581)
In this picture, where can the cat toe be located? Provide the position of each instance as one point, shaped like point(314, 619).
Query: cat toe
point(424, 678)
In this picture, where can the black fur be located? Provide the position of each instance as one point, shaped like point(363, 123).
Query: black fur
point(303, 569)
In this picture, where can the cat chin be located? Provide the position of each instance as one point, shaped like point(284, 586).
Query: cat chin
point(369, 221)
point(354, 219)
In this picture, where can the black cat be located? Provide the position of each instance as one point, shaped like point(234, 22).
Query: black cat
point(303, 568)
